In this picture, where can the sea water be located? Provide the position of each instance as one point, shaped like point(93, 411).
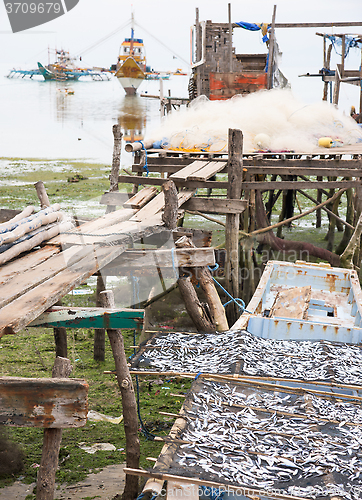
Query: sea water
point(43, 120)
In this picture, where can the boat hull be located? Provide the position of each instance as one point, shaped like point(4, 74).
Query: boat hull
point(130, 85)
point(130, 75)
point(304, 301)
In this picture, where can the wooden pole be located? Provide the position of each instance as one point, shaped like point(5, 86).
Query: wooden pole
point(235, 171)
point(271, 51)
point(51, 444)
point(42, 194)
point(116, 162)
point(99, 346)
point(169, 216)
point(203, 276)
point(60, 333)
point(197, 311)
point(129, 405)
point(230, 40)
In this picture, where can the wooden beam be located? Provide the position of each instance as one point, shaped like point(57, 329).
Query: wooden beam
point(157, 181)
point(44, 402)
point(309, 171)
point(178, 257)
point(216, 205)
point(264, 185)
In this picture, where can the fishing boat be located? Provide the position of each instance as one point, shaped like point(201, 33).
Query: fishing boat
point(131, 65)
point(63, 69)
point(305, 301)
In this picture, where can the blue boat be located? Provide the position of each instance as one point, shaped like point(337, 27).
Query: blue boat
point(304, 301)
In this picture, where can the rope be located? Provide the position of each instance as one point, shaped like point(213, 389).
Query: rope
point(145, 166)
point(239, 302)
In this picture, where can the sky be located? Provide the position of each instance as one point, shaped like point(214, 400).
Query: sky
point(164, 25)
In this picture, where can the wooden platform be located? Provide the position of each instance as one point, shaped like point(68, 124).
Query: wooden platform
point(32, 283)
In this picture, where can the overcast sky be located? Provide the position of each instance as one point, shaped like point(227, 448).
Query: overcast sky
point(165, 27)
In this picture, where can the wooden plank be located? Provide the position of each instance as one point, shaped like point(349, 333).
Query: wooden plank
point(24, 281)
point(114, 198)
point(184, 195)
point(216, 205)
point(89, 317)
point(28, 261)
point(292, 303)
point(250, 163)
point(51, 403)
point(177, 257)
point(300, 185)
point(152, 208)
point(184, 173)
point(104, 222)
point(309, 171)
point(119, 233)
point(23, 310)
point(182, 490)
point(207, 171)
point(141, 197)
point(157, 181)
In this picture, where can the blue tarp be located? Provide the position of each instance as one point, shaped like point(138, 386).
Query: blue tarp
point(252, 27)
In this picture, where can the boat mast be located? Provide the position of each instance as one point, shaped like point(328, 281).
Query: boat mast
point(132, 35)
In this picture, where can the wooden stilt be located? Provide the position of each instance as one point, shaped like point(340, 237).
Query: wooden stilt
point(51, 444)
point(235, 170)
point(129, 404)
point(99, 348)
point(116, 162)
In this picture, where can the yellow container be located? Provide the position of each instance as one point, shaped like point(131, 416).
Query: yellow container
point(325, 142)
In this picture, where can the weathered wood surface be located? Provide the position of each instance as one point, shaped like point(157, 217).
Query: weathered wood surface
point(204, 173)
point(21, 311)
point(19, 266)
point(44, 402)
point(157, 204)
point(106, 224)
point(90, 317)
point(141, 198)
point(263, 185)
point(184, 173)
point(157, 181)
point(178, 257)
point(216, 205)
point(24, 281)
point(292, 303)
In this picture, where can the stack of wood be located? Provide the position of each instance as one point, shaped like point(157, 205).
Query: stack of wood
point(28, 230)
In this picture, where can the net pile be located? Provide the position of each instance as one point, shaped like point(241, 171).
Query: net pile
point(271, 120)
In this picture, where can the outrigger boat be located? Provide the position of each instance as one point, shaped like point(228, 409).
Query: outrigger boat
point(131, 64)
point(63, 69)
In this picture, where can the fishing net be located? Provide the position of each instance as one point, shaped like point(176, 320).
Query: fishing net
point(277, 443)
point(271, 120)
point(240, 352)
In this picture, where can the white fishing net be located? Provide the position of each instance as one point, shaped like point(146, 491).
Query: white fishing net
point(272, 120)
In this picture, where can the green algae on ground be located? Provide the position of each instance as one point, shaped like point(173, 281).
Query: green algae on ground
point(31, 353)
